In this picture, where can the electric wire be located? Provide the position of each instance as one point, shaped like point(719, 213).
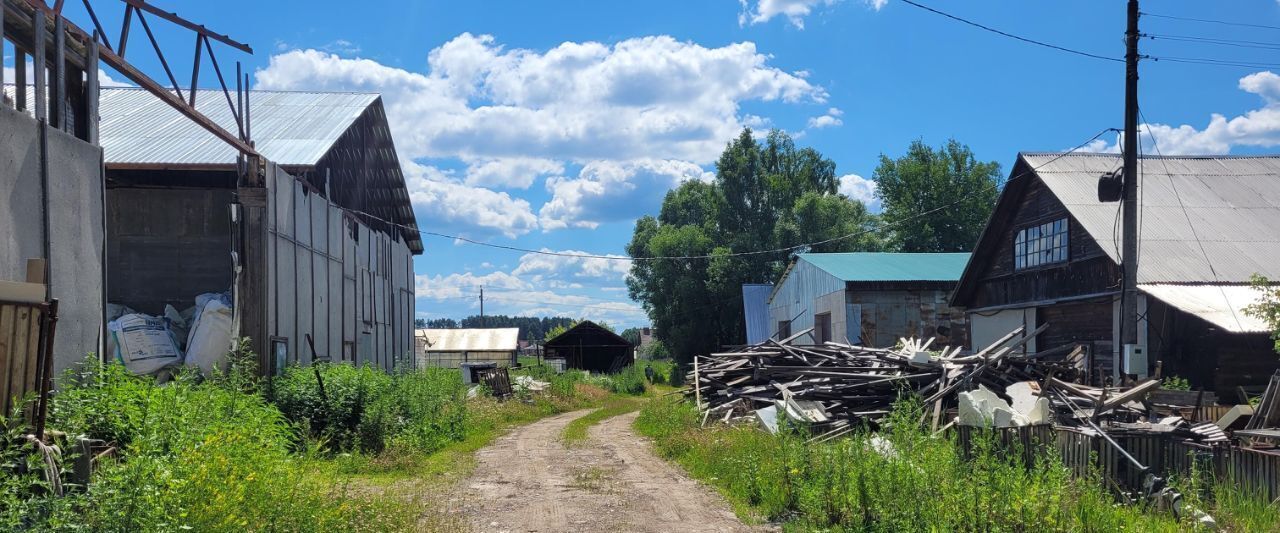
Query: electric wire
point(786, 249)
point(1207, 21)
point(1211, 40)
point(1012, 36)
point(1194, 234)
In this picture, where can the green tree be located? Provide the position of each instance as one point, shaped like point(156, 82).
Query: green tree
point(632, 335)
point(767, 195)
point(929, 181)
point(1267, 308)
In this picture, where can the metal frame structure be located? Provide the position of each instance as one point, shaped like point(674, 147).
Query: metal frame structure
point(37, 15)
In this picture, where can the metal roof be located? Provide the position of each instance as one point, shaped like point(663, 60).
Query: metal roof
point(470, 340)
point(289, 128)
point(880, 266)
point(1229, 205)
point(1220, 305)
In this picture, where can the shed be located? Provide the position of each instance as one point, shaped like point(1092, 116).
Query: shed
point(1050, 255)
point(869, 298)
point(315, 244)
point(589, 346)
point(449, 348)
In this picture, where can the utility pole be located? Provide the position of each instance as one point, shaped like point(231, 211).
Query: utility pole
point(482, 306)
point(1129, 296)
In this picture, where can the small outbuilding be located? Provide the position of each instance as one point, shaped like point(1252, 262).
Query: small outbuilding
point(869, 298)
point(449, 348)
point(589, 346)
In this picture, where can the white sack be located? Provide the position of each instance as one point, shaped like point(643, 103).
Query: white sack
point(143, 343)
point(210, 341)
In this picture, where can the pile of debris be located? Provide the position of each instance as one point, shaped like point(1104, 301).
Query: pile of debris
point(836, 387)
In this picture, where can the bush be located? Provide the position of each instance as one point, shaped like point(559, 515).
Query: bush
point(365, 409)
point(192, 455)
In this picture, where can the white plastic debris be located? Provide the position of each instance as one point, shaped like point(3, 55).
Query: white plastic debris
point(982, 408)
point(209, 344)
point(921, 358)
point(524, 383)
point(768, 417)
point(143, 343)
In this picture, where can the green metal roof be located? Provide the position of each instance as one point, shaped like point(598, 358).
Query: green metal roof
point(877, 266)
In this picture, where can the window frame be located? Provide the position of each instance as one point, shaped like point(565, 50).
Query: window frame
point(1034, 249)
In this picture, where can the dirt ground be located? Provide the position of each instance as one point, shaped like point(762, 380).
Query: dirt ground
point(529, 481)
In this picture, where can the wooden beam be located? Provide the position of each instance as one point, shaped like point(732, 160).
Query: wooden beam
point(59, 108)
point(38, 62)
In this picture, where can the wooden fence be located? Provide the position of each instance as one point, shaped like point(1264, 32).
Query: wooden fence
point(1083, 452)
point(26, 358)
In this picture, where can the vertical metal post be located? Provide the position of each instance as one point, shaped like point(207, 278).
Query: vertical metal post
point(59, 105)
point(20, 78)
point(91, 91)
point(1129, 296)
point(38, 63)
point(2, 52)
point(482, 324)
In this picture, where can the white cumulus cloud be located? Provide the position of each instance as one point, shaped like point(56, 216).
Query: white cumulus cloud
point(795, 11)
point(607, 191)
point(1257, 127)
point(443, 198)
point(830, 119)
point(859, 188)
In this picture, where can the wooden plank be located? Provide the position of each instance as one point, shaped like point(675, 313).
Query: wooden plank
point(20, 352)
point(6, 354)
point(30, 383)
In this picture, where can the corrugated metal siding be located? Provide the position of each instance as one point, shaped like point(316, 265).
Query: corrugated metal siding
point(1233, 204)
point(326, 270)
point(755, 307)
point(795, 294)
point(289, 128)
point(469, 340)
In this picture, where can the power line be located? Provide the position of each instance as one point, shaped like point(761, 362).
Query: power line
point(1012, 36)
point(787, 249)
point(1213, 61)
point(1213, 40)
point(1187, 215)
point(1208, 21)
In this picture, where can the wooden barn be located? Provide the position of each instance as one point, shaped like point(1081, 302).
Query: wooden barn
point(1050, 255)
point(589, 346)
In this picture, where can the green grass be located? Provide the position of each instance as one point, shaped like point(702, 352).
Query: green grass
point(922, 485)
point(576, 431)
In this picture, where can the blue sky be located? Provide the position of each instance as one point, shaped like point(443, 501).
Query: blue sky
point(554, 124)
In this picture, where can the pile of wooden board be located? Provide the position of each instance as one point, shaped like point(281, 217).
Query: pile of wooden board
point(835, 387)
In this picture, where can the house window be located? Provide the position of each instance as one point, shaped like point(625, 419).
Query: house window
point(784, 329)
point(1039, 245)
point(822, 327)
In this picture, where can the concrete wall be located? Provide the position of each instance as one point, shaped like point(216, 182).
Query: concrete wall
point(330, 276)
point(75, 207)
point(166, 246)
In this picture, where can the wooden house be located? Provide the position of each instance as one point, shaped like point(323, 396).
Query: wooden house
point(1051, 250)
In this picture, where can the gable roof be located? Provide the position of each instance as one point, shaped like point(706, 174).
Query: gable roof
point(587, 327)
point(1228, 205)
point(885, 266)
point(289, 128)
point(470, 340)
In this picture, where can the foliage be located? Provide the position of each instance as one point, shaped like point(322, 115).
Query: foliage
point(558, 330)
point(903, 479)
point(1175, 383)
point(365, 409)
point(632, 335)
point(766, 195)
point(419, 323)
point(656, 349)
point(193, 454)
point(936, 200)
point(531, 327)
point(1267, 308)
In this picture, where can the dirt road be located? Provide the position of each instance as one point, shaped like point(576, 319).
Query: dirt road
point(529, 481)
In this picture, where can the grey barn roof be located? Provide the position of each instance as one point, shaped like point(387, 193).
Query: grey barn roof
point(290, 128)
point(1232, 204)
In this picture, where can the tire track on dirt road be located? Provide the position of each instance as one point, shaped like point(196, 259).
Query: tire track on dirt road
point(530, 481)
